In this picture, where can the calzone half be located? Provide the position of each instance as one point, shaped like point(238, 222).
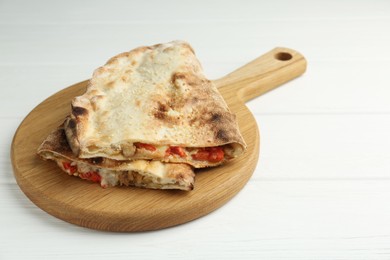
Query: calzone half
point(107, 172)
point(154, 103)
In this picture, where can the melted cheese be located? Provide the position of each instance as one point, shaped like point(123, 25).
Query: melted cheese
point(152, 172)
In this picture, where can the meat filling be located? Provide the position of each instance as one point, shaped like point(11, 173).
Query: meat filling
point(211, 154)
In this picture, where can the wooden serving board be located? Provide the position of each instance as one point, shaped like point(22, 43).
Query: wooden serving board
point(134, 209)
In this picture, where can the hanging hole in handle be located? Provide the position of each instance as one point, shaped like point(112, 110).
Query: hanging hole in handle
point(283, 56)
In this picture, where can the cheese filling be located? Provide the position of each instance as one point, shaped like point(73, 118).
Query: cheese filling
point(107, 178)
point(173, 153)
point(167, 153)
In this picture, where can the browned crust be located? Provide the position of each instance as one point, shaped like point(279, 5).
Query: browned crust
point(71, 135)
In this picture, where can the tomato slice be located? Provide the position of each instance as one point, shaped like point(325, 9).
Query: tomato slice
point(91, 176)
point(148, 147)
point(201, 155)
point(216, 154)
point(176, 150)
point(70, 168)
point(211, 154)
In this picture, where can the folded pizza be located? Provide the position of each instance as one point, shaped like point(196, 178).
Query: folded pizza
point(107, 172)
point(154, 103)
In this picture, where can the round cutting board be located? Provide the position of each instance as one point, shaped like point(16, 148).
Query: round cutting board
point(134, 209)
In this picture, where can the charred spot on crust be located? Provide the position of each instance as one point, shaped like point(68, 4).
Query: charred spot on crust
point(159, 115)
point(162, 107)
point(195, 82)
point(72, 123)
point(97, 160)
point(215, 118)
point(176, 76)
point(63, 140)
point(190, 80)
point(192, 121)
point(56, 142)
point(222, 135)
point(161, 110)
point(79, 111)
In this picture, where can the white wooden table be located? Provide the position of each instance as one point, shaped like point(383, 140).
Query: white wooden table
point(322, 186)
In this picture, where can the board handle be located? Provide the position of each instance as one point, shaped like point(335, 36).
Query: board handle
point(263, 74)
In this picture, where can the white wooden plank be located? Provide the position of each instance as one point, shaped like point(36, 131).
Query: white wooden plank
point(221, 41)
point(268, 219)
point(324, 147)
point(24, 87)
point(46, 11)
point(346, 87)
point(7, 131)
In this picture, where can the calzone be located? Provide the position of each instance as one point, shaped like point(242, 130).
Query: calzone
point(154, 103)
point(108, 172)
